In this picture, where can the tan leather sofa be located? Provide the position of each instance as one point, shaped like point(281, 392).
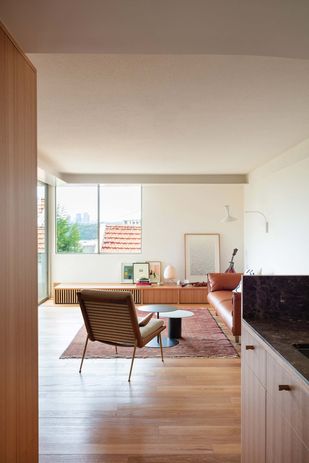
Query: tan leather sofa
point(227, 304)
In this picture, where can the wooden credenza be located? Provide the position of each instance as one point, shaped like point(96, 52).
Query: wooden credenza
point(275, 421)
point(65, 293)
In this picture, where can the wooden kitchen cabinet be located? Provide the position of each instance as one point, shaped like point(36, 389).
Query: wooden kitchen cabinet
point(253, 414)
point(275, 405)
point(292, 404)
point(283, 444)
point(253, 353)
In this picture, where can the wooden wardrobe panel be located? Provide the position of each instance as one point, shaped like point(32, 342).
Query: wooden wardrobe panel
point(18, 257)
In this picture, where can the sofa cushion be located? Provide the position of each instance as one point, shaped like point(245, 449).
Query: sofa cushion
point(223, 281)
point(218, 297)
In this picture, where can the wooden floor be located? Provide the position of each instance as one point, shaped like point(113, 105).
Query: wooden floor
point(185, 411)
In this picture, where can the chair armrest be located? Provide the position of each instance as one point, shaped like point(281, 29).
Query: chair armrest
point(144, 321)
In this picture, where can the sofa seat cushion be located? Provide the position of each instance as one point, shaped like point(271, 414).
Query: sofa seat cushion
point(221, 298)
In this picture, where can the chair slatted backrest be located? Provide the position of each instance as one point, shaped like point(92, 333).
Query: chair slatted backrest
point(109, 317)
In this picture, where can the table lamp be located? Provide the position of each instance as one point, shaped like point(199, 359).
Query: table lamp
point(169, 275)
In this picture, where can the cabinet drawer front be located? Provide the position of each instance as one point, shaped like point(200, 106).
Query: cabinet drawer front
point(160, 296)
point(283, 445)
point(253, 354)
point(293, 403)
point(193, 296)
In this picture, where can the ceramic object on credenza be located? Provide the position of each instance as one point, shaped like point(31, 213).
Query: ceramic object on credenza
point(169, 275)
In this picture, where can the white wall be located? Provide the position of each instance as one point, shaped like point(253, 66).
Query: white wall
point(169, 211)
point(280, 189)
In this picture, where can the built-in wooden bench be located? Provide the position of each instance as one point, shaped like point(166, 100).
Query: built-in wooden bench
point(65, 293)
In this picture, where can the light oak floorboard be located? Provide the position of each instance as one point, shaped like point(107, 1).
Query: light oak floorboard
point(186, 410)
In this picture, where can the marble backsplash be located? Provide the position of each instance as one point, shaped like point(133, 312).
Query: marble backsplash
point(280, 297)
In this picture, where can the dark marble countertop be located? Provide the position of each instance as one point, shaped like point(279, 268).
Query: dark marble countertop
point(281, 335)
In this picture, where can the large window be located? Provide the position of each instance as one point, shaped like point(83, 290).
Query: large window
point(77, 219)
point(120, 219)
point(42, 200)
point(100, 218)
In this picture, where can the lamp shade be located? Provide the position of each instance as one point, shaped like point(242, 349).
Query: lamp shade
point(169, 272)
point(228, 217)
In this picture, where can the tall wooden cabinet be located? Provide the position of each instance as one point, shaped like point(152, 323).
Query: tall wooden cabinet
point(18, 256)
point(253, 377)
point(275, 405)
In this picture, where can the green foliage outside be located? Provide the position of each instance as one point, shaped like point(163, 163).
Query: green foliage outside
point(68, 235)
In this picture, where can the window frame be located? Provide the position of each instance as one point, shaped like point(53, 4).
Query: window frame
point(98, 252)
point(47, 240)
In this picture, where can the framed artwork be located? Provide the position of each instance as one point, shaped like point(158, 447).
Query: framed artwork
point(140, 270)
point(202, 255)
point(154, 272)
point(126, 273)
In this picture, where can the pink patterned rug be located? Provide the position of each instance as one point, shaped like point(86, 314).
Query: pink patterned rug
point(201, 337)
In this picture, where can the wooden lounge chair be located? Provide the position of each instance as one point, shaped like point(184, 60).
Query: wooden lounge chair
point(110, 317)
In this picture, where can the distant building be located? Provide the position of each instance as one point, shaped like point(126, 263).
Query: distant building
point(89, 246)
point(82, 217)
point(132, 222)
point(86, 217)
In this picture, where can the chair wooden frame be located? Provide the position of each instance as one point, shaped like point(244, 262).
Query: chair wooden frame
point(104, 311)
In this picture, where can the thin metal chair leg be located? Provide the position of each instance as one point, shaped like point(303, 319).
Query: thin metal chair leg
point(161, 348)
point(133, 357)
point(81, 363)
point(116, 350)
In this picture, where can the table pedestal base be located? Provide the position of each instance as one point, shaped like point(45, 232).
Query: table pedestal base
point(166, 342)
point(174, 328)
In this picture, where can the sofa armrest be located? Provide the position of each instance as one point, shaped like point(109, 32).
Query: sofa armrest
point(236, 298)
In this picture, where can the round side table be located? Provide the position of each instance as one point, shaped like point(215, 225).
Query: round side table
point(160, 308)
point(174, 326)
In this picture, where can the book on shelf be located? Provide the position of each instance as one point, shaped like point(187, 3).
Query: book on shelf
point(143, 282)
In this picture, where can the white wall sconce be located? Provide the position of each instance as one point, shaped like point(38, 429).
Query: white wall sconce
point(228, 217)
point(263, 215)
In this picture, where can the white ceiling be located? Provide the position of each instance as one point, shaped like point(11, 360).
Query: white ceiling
point(172, 88)
point(249, 27)
point(169, 114)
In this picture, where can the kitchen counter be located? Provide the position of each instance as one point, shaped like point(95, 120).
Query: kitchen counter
point(281, 335)
point(274, 393)
point(277, 308)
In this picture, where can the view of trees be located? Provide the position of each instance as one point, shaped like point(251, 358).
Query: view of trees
point(68, 235)
point(84, 212)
